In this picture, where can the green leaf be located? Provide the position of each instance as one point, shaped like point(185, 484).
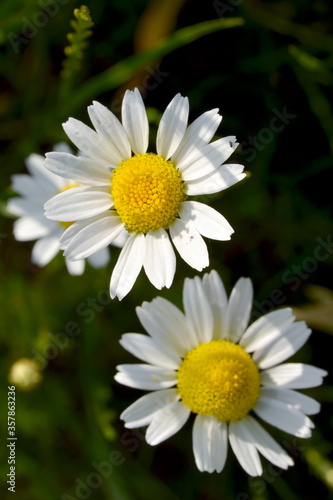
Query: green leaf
point(307, 61)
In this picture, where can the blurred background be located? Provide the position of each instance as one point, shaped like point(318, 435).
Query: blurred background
point(268, 66)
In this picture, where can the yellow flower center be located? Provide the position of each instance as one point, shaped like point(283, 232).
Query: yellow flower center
point(220, 379)
point(69, 186)
point(147, 192)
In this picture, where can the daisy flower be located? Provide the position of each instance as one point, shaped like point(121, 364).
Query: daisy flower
point(145, 193)
point(209, 362)
point(35, 189)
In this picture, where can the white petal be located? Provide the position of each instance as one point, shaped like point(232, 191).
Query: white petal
point(146, 349)
point(212, 156)
point(107, 124)
point(206, 220)
point(300, 401)
point(75, 268)
point(93, 237)
point(94, 145)
point(295, 337)
point(219, 179)
point(166, 324)
point(121, 239)
point(135, 121)
point(244, 449)
point(239, 309)
point(79, 168)
point(284, 417)
point(142, 411)
point(50, 182)
point(100, 259)
point(25, 206)
point(62, 147)
point(146, 377)
point(267, 329)
point(31, 228)
point(189, 244)
point(29, 187)
point(128, 266)
point(218, 301)
point(198, 134)
point(293, 376)
point(159, 260)
point(34, 163)
point(210, 443)
point(45, 249)
point(76, 227)
point(197, 310)
point(78, 203)
point(166, 422)
point(172, 126)
point(266, 445)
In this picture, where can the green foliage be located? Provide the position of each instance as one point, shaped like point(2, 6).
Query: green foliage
point(125, 69)
point(74, 52)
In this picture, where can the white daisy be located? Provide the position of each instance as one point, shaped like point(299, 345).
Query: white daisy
point(35, 189)
point(147, 193)
point(209, 362)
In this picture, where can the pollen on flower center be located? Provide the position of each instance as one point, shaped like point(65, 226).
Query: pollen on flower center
point(220, 379)
point(69, 186)
point(147, 192)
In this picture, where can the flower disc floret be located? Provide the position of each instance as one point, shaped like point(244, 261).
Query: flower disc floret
point(148, 192)
point(220, 379)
